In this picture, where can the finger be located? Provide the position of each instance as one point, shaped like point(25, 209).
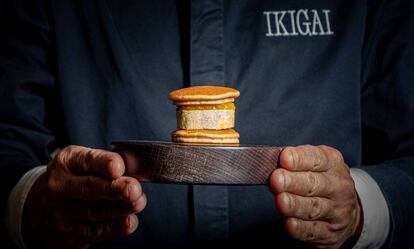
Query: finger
point(93, 232)
point(82, 161)
point(301, 183)
point(305, 208)
point(95, 188)
point(309, 231)
point(304, 158)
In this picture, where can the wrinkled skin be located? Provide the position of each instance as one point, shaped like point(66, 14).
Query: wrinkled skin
point(315, 192)
point(83, 198)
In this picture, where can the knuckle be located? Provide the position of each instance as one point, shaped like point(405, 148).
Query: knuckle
point(309, 231)
point(69, 151)
point(320, 157)
point(323, 147)
point(89, 156)
point(317, 159)
point(62, 157)
point(313, 183)
point(96, 153)
point(71, 148)
point(329, 152)
point(297, 158)
point(336, 156)
point(132, 189)
point(336, 227)
point(306, 147)
point(69, 155)
point(316, 209)
point(293, 203)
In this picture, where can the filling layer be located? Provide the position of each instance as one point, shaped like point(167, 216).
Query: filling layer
point(209, 119)
point(224, 106)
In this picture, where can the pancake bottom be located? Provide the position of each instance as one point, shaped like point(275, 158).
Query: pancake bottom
point(227, 136)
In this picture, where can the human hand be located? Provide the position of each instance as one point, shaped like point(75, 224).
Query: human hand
point(83, 198)
point(315, 192)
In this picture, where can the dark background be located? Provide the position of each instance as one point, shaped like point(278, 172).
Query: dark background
point(4, 26)
point(3, 17)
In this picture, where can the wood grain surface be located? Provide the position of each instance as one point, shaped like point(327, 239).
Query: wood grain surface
point(153, 161)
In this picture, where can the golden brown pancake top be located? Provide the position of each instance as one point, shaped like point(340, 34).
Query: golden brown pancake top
point(195, 93)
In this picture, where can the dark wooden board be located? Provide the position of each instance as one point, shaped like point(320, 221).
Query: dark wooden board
point(154, 161)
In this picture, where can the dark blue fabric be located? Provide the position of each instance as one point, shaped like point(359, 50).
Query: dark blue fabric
point(90, 72)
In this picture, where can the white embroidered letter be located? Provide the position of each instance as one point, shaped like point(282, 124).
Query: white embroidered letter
point(317, 23)
point(292, 22)
point(269, 25)
point(306, 23)
point(328, 23)
point(279, 23)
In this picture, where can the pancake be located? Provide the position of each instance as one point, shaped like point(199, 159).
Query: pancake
point(227, 136)
point(203, 93)
point(204, 102)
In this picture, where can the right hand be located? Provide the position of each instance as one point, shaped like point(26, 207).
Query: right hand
point(83, 198)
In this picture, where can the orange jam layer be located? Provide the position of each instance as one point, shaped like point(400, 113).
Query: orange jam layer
point(224, 106)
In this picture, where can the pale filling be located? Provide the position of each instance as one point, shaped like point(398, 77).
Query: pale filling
point(205, 119)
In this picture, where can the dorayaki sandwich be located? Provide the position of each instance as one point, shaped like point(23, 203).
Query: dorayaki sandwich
point(205, 114)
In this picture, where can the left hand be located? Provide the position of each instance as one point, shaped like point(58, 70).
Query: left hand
point(314, 190)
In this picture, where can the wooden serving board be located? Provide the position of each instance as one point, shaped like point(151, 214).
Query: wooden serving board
point(153, 161)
